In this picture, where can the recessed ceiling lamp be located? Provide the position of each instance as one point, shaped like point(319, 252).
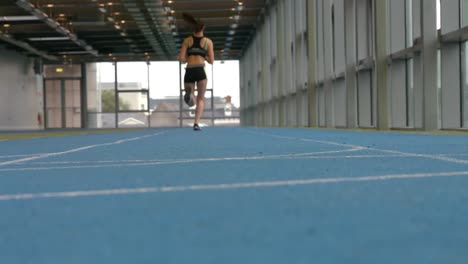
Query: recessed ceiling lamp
point(49, 39)
point(18, 18)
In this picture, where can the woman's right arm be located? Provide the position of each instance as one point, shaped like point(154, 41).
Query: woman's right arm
point(183, 52)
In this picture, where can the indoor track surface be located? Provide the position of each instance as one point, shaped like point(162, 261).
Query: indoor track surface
point(235, 195)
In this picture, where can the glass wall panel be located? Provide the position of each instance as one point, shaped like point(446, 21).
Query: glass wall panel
point(133, 101)
point(465, 83)
point(54, 103)
point(72, 89)
point(165, 91)
point(439, 88)
point(464, 13)
point(438, 11)
point(101, 96)
point(410, 93)
point(409, 22)
point(132, 75)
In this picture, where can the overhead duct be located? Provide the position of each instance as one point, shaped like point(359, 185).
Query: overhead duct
point(151, 20)
point(29, 7)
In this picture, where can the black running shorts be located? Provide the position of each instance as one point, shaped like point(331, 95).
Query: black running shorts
point(194, 74)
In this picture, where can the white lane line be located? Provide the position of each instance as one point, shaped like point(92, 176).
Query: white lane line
point(197, 160)
point(227, 186)
point(23, 155)
point(393, 152)
point(172, 160)
point(453, 154)
point(312, 140)
point(428, 156)
point(76, 150)
point(136, 162)
point(179, 161)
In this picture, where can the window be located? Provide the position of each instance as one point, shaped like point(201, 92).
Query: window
point(410, 93)
point(409, 23)
point(464, 84)
point(464, 9)
point(438, 14)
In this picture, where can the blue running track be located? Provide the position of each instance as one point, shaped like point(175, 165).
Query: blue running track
point(235, 195)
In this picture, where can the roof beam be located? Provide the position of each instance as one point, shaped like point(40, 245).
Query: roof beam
point(29, 7)
point(26, 47)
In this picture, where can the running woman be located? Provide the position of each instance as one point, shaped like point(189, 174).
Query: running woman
point(196, 49)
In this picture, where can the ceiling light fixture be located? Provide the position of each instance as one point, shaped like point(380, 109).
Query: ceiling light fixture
point(18, 18)
point(49, 39)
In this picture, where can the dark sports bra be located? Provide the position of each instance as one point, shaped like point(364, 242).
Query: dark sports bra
point(196, 48)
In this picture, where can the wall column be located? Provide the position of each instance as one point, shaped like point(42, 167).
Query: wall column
point(429, 65)
point(312, 58)
point(381, 66)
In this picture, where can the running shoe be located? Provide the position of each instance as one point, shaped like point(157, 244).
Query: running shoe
point(188, 98)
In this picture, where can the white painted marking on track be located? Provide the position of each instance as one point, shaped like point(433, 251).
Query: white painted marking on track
point(76, 150)
point(428, 156)
point(227, 186)
point(23, 155)
point(313, 140)
point(182, 161)
point(172, 160)
point(394, 152)
point(136, 162)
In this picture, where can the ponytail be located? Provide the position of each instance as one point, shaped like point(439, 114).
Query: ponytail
point(196, 24)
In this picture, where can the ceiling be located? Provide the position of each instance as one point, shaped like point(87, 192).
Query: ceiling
point(72, 31)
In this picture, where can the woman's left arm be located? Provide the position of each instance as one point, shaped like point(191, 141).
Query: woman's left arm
point(210, 56)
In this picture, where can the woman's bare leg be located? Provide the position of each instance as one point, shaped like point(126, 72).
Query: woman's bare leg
point(201, 88)
point(190, 86)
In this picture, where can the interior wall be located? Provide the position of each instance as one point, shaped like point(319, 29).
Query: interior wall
point(274, 68)
point(20, 92)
